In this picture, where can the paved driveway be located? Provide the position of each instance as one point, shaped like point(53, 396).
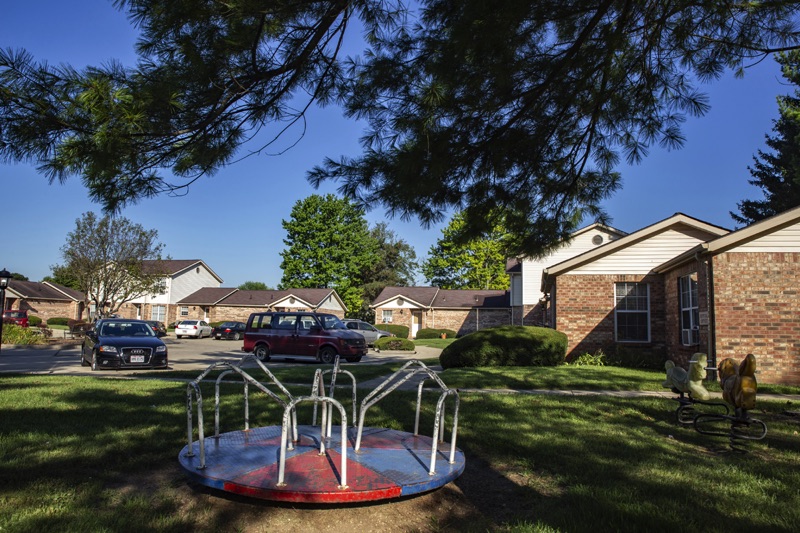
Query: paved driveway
point(184, 354)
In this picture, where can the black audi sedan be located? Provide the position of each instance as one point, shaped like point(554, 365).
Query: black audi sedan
point(118, 343)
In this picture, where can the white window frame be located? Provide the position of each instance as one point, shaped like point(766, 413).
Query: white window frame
point(386, 315)
point(689, 310)
point(158, 312)
point(621, 293)
point(184, 310)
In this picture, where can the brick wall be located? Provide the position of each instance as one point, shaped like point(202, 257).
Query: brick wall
point(46, 309)
point(757, 311)
point(466, 321)
point(585, 313)
point(676, 351)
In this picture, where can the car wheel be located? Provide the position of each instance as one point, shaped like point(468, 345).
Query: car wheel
point(236, 336)
point(177, 336)
point(84, 362)
point(95, 368)
point(327, 355)
point(262, 353)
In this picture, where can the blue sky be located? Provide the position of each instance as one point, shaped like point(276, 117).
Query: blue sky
point(232, 220)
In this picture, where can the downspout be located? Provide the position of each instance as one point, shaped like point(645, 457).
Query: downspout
point(712, 352)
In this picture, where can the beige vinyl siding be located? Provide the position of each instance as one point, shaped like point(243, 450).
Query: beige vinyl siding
point(191, 281)
point(532, 269)
point(643, 256)
point(516, 289)
point(783, 240)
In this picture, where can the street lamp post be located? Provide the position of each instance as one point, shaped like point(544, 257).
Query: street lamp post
point(5, 275)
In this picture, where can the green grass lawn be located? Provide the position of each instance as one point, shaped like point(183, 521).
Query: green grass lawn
point(90, 454)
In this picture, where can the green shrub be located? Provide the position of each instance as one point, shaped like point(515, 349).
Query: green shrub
point(590, 359)
point(58, 321)
point(507, 346)
point(432, 333)
point(396, 329)
point(13, 334)
point(34, 321)
point(394, 343)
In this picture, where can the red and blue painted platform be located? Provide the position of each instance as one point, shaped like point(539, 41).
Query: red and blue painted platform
point(389, 464)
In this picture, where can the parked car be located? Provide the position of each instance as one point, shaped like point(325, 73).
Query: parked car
point(193, 328)
point(16, 316)
point(318, 335)
point(119, 343)
point(229, 330)
point(370, 332)
point(158, 327)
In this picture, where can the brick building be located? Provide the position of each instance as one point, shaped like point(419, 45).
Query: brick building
point(682, 286)
point(217, 304)
point(45, 299)
point(463, 311)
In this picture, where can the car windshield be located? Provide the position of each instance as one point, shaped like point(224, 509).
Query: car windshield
point(331, 322)
point(227, 324)
point(126, 329)
point(14, 314)
point(188, 323)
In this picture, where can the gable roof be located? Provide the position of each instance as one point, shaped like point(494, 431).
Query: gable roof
point(471, 298)
point(678, 219)
point(237, 298)
point(599, 226)
point(35, 290)
point(736, 238)
point(421, 296)
point(434, 297)
point(173, 267)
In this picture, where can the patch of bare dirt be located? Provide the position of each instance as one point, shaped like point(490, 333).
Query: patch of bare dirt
point(482, 499)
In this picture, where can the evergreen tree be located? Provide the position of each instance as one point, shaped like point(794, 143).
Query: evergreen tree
point(520, 105)
point(480, 263)
point(777, 173)
point(328, 245)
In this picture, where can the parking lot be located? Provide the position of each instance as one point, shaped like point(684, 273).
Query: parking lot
point(184, 354)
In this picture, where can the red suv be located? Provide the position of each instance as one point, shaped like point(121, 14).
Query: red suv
point(317, 335)
point(15, 316)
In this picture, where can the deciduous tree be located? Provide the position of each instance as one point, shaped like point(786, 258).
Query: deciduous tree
point(328, 245)
point(107, 258)
point(254, 286)
point(475, 264)
point(395, 265)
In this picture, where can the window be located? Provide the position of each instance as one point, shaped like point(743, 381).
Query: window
point(632, 312)
point(387, 316)
point(158, 312)
point(184, 310)
point(690, 332)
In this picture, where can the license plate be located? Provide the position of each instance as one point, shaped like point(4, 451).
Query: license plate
point(137, 359)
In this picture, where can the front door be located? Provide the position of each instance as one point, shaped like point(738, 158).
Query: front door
point(416, 323)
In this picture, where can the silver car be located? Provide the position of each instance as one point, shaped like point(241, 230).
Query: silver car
point(370, 332)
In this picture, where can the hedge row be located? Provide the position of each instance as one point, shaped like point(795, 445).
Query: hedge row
point(507, 346)
point(433, 333)
point(396, 329)
point(394, 343)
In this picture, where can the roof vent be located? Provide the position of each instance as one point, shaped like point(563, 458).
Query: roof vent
point(597, 240)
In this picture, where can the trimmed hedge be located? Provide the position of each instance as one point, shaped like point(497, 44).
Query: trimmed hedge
point(396, 329)
point(34, 321)
point(58, 321)
point(431, 333)
point(394, 343)
point(507, 346)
